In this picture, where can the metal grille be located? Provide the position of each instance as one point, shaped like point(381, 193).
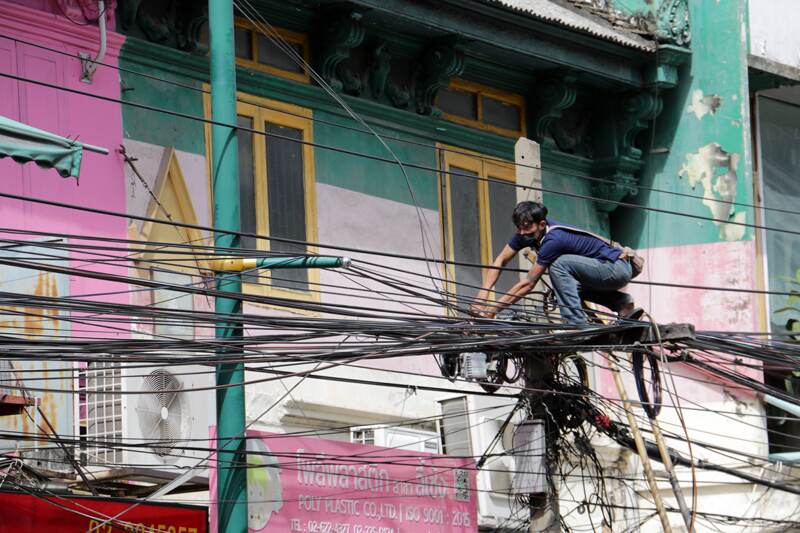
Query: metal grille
point(455, 427)
point(101, 414)
point(466, 222)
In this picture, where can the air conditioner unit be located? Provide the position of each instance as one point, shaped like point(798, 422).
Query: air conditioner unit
point(499, 467)
point(397, 437)
point(169, 418)
point(469, 425)
point(148, 415)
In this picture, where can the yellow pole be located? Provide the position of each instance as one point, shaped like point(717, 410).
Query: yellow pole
point(640, 447)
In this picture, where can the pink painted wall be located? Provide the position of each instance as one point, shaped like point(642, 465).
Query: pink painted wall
point(81, 11)
point(89, 119)
point(722, 264)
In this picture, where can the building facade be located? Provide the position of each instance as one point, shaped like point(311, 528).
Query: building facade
point(664, 125)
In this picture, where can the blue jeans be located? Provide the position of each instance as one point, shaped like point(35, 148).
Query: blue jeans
point(576, 278)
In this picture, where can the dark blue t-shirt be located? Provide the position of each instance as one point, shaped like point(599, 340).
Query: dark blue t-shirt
point(560, 242)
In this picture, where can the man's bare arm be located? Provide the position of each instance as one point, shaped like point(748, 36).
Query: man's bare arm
point(520, 289)
point(491, 276)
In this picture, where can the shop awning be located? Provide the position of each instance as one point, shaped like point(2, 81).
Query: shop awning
point(24, 143)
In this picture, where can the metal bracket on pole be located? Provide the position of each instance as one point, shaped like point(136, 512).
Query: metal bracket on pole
point(671, 332)
point(89, 65)
point(639, 332)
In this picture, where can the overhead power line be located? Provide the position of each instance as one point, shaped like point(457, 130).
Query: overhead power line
point(393, 161)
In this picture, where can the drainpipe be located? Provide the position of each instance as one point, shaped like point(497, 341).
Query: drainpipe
point(88, 66)
point(785, 457)
point(791, 408)
point(794, 410)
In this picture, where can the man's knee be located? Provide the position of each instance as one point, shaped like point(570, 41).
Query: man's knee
point(560, 266)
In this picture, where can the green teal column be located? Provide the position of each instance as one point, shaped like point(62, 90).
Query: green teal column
point(231, 456)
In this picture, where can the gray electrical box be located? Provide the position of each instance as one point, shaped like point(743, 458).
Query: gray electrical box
point(530, 467)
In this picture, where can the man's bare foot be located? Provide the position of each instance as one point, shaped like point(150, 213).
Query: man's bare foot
point(626, 309)
point(629, 312)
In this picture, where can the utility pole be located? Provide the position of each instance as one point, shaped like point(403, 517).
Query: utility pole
point(231, 452)
point(231, 417)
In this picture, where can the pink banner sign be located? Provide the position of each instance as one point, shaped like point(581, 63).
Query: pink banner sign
point(314, 485)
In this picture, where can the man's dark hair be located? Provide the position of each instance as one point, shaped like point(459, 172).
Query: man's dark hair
point(528, 213)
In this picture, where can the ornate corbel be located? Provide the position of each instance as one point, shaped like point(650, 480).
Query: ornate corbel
point(442, 61)
point(552, 96)
point(189, 21)
point(341, 32)
point(672, 22)
point(637, 111)
point(378, 74)
point(152, 18)
point(618, 158)
point(160, 21)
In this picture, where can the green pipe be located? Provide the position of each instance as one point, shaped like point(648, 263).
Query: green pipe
point(231, 481)
point(318, 261)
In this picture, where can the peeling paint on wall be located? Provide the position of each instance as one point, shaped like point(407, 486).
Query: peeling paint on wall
point(36, 323)
point(704, 104)
point(718, 189)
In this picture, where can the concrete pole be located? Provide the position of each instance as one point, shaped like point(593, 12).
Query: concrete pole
point(231, 452)
point(528, 170)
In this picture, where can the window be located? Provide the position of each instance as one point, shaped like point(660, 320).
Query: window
point(482, 107)
point(779, 156)
point(477, 197)
point(399, 437)
point(362, 436)
point(175, 300)
point(276, 187)
point(455, 427)
point(257, 51)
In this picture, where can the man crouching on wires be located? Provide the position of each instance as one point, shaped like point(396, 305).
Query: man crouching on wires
point(583, 266)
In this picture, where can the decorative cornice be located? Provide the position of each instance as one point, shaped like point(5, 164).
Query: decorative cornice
point(672, 22)
point(38, 26)
point(139, 54)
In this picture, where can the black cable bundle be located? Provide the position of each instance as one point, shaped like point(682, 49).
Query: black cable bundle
point(652, 408)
